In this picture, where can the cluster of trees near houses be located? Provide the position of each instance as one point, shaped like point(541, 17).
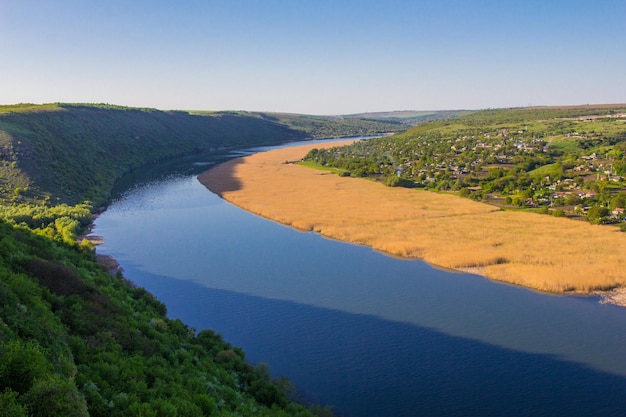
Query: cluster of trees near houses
point(561, 161)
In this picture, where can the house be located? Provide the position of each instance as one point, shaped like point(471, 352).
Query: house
point(592, 156)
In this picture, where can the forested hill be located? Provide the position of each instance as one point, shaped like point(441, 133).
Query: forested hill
point(72, 152)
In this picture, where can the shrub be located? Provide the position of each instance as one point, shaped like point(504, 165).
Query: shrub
point(20, 364)
point(54, 396)
point(9, 407)
point(597, 213)
point(558, 213)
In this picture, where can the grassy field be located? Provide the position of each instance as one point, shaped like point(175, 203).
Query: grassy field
point(535, 251)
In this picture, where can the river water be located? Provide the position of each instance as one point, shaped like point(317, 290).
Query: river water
point(366, 333)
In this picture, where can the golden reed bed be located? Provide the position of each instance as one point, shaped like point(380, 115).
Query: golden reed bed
point(533, 250)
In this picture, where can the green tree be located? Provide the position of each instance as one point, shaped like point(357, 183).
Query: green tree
point(618, 200)
point(597, 214)
point(9, 406)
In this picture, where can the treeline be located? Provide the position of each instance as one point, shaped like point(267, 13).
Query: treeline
point(75, 341)
point(410, 118)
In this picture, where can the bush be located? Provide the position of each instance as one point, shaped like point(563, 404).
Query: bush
point(392, 181)
point(558, 213)
point(20, 364)
point(597, 213)
point(54, 396)
point(9, 407)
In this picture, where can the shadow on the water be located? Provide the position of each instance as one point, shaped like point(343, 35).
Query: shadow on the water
point(367, 366)
point(197, 164)
point(223, 161)
point(221, 178)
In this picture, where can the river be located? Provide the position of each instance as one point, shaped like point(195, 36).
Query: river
point(368, 334)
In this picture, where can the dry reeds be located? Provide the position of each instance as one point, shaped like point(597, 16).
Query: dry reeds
point(536, 251)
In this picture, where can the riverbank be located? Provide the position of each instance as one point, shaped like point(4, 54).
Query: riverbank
point(536, 251)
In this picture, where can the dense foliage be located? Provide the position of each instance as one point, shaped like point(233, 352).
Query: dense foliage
point(61, 223)
point(562, 161)
point(76, 341)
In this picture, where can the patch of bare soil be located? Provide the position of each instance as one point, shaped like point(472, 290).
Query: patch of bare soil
point(109, 263)
point(616, 296)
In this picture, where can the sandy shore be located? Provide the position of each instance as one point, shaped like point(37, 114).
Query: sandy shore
point(532, 250)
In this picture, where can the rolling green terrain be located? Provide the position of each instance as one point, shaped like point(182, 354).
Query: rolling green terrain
point(567, 161)
point(77, 341)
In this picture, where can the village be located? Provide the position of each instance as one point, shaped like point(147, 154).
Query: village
point(564, 167)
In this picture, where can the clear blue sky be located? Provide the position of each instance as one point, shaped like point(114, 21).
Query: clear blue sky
point(314, 56)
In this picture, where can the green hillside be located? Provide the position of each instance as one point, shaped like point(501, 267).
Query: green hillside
point(72, 152)
point(77, 152)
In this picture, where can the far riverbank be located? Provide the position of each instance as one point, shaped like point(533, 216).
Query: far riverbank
point(536, 251)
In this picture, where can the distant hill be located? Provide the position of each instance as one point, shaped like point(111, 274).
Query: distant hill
point(75, 152)
point(318, 127)
point(410, 117)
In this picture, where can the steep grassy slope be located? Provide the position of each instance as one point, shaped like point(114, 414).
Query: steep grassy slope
point(76, 152)
point(72, 152)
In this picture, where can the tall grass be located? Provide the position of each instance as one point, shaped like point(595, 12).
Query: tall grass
point(540, 252)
